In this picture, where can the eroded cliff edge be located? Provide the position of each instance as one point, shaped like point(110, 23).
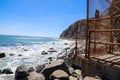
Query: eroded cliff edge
point(70, 32)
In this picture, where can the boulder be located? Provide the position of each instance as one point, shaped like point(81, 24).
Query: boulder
point(50, 58)
point(70, 55)
point(7, 71)
point(66, 48)
point(20, 55)
point(43, 53)
point(65, 43)
point(60, 75)
point(2, 55)
point(53, 43)
point(36, 76)
point(55, 65)
point(11, 54)
point(52, 50)
point(72, 78)
point(0, 71)
point(92, 78)
point(77, 71)
point(31, 69)
point(71, 70)
point(21, 72)
point(25, 50)
point(39, 68)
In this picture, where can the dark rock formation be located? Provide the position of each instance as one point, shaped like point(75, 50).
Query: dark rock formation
point(66, 43)
point(20, 55)
point(7, 71)
point(25, 50)
point(2, 55)
point(31, 69)
point(0, 71)
point(50, 59)
point(21, 73)
point(52, 50)
point(43, 53)
point(39, 68)
point(70, 32)
point(12, 54)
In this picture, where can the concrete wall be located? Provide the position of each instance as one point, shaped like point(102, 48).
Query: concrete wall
point(92, 67)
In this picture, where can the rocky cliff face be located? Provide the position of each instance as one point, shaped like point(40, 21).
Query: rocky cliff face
point(70, 32)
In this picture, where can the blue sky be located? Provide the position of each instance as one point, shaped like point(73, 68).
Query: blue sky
point(46, 18)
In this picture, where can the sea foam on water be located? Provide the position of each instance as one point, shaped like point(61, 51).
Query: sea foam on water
point(31, 54)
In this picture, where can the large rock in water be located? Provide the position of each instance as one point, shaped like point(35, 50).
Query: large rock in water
point(55, 65)
point(21, 73)
point(2, 55)
point(7, 71)
point(43, 53)
point(0, 71)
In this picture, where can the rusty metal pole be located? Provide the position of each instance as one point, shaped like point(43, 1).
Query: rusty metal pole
point(76, 50)
point(111, 38)
point(87, 30)
point(97, 12)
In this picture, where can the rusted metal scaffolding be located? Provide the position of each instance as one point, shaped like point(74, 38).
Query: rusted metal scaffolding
point(103, 27)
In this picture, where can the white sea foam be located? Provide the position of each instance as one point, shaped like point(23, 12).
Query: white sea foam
point(31, 55)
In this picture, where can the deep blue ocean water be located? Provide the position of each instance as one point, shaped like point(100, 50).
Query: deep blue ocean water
point(10, 40)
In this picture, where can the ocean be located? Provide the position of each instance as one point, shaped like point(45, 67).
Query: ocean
point(26, 50)
point(9, 40)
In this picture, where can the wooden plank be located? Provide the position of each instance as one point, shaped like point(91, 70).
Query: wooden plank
point(112, 62)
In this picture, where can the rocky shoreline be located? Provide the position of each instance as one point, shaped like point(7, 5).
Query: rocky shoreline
point(59, 69)
point(55, 70)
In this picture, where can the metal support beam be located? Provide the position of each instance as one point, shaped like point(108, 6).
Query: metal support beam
point(87, 30)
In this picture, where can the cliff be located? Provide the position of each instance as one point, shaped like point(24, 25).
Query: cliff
point(70, 32)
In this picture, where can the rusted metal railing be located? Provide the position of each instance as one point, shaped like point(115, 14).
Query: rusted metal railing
point(103, 27)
